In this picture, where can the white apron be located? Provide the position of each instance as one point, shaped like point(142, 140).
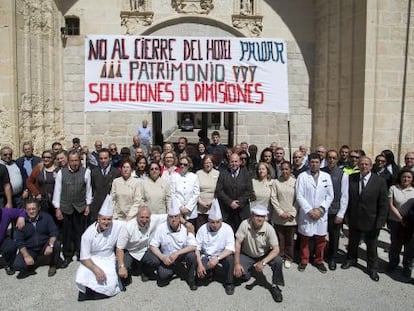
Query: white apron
point(99, 247)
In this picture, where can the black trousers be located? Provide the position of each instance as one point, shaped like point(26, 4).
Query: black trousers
point(37, 254)
point(334, 231)
point(276, 264)
point(371, 239)
point(73, 227)
point(227, 264)
point(188, 261)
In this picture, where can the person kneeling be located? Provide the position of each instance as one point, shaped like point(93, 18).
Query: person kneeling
point(257, 246)
point(96, 277)
point(172, 248)
point(215, 247)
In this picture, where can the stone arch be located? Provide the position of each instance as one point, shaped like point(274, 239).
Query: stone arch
point(196, 21)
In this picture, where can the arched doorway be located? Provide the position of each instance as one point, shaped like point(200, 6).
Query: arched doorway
point(208, 121)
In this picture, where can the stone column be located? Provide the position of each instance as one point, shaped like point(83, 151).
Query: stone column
point(9, 126)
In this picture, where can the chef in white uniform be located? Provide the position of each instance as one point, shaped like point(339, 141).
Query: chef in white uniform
point(314, 194)
point(96, 277)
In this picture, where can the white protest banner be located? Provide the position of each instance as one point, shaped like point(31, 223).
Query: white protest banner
point(124, 73)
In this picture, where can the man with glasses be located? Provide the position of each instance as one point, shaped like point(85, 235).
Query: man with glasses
point(185, 190)
point(6, 193)
point(352, 166)
point(16, 179)
point(115, 156)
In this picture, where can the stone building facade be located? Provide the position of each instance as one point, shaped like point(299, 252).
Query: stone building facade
point(350, 68)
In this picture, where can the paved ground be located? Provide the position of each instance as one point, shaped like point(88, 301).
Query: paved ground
point(310, 290)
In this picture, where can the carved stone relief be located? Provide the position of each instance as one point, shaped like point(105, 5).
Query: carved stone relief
point(246, 17)
point(136, 13)
point(193, 6)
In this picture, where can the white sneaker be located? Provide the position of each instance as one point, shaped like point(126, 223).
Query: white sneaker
point(287, 264)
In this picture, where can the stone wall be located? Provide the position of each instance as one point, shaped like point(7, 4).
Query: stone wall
point(8, 98)
point(389, 83)
point(34, 102)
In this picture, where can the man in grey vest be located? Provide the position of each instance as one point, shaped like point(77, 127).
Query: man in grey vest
point(71, 197)
point(337, 210)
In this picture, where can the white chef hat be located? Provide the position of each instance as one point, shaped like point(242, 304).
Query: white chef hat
point(106, 209)
point(215, 211)
point(174, 207)
point(259, 210)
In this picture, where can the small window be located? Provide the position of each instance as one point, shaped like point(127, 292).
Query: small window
point(72, 26)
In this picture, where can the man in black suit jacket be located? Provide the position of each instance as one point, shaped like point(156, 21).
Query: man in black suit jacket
point(234, 189)
point(367, 213)
point(101, 181)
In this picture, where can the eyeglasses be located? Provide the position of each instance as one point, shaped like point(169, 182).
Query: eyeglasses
point(184, 164)
point(354, 156)
point(154, 169)
point(113, 149)
point(7, 154)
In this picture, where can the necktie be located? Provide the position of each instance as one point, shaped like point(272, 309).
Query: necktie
point(362, 184)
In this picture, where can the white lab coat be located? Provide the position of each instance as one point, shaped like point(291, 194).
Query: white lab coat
point(309, 195)
point(99, 247)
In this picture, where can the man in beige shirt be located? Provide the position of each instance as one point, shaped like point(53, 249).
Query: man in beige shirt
point(256, 247)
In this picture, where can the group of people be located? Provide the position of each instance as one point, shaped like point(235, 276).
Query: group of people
point(204, 213)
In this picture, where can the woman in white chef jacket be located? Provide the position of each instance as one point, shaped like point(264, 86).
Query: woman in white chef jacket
point(96, 277)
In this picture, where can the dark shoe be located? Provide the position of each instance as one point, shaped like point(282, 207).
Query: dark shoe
point(25, 273)
point(374, 276)
point(229, 288)
point(193, 286)
point(391, 268)
point(321, 267)
point(406, 272)
point(332, 265)
point(65, 263)
point(51, 271)
point(10, 270)
point(347, 264)
point(276, 293)
point(302, 267)
point(163, 283)
point(144, 278)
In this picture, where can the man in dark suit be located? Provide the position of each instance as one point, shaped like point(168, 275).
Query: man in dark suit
point(234, 189)
point(101, 181)
point(367, 213)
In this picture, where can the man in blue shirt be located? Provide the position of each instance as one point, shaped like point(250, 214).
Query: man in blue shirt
point(37, 239)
